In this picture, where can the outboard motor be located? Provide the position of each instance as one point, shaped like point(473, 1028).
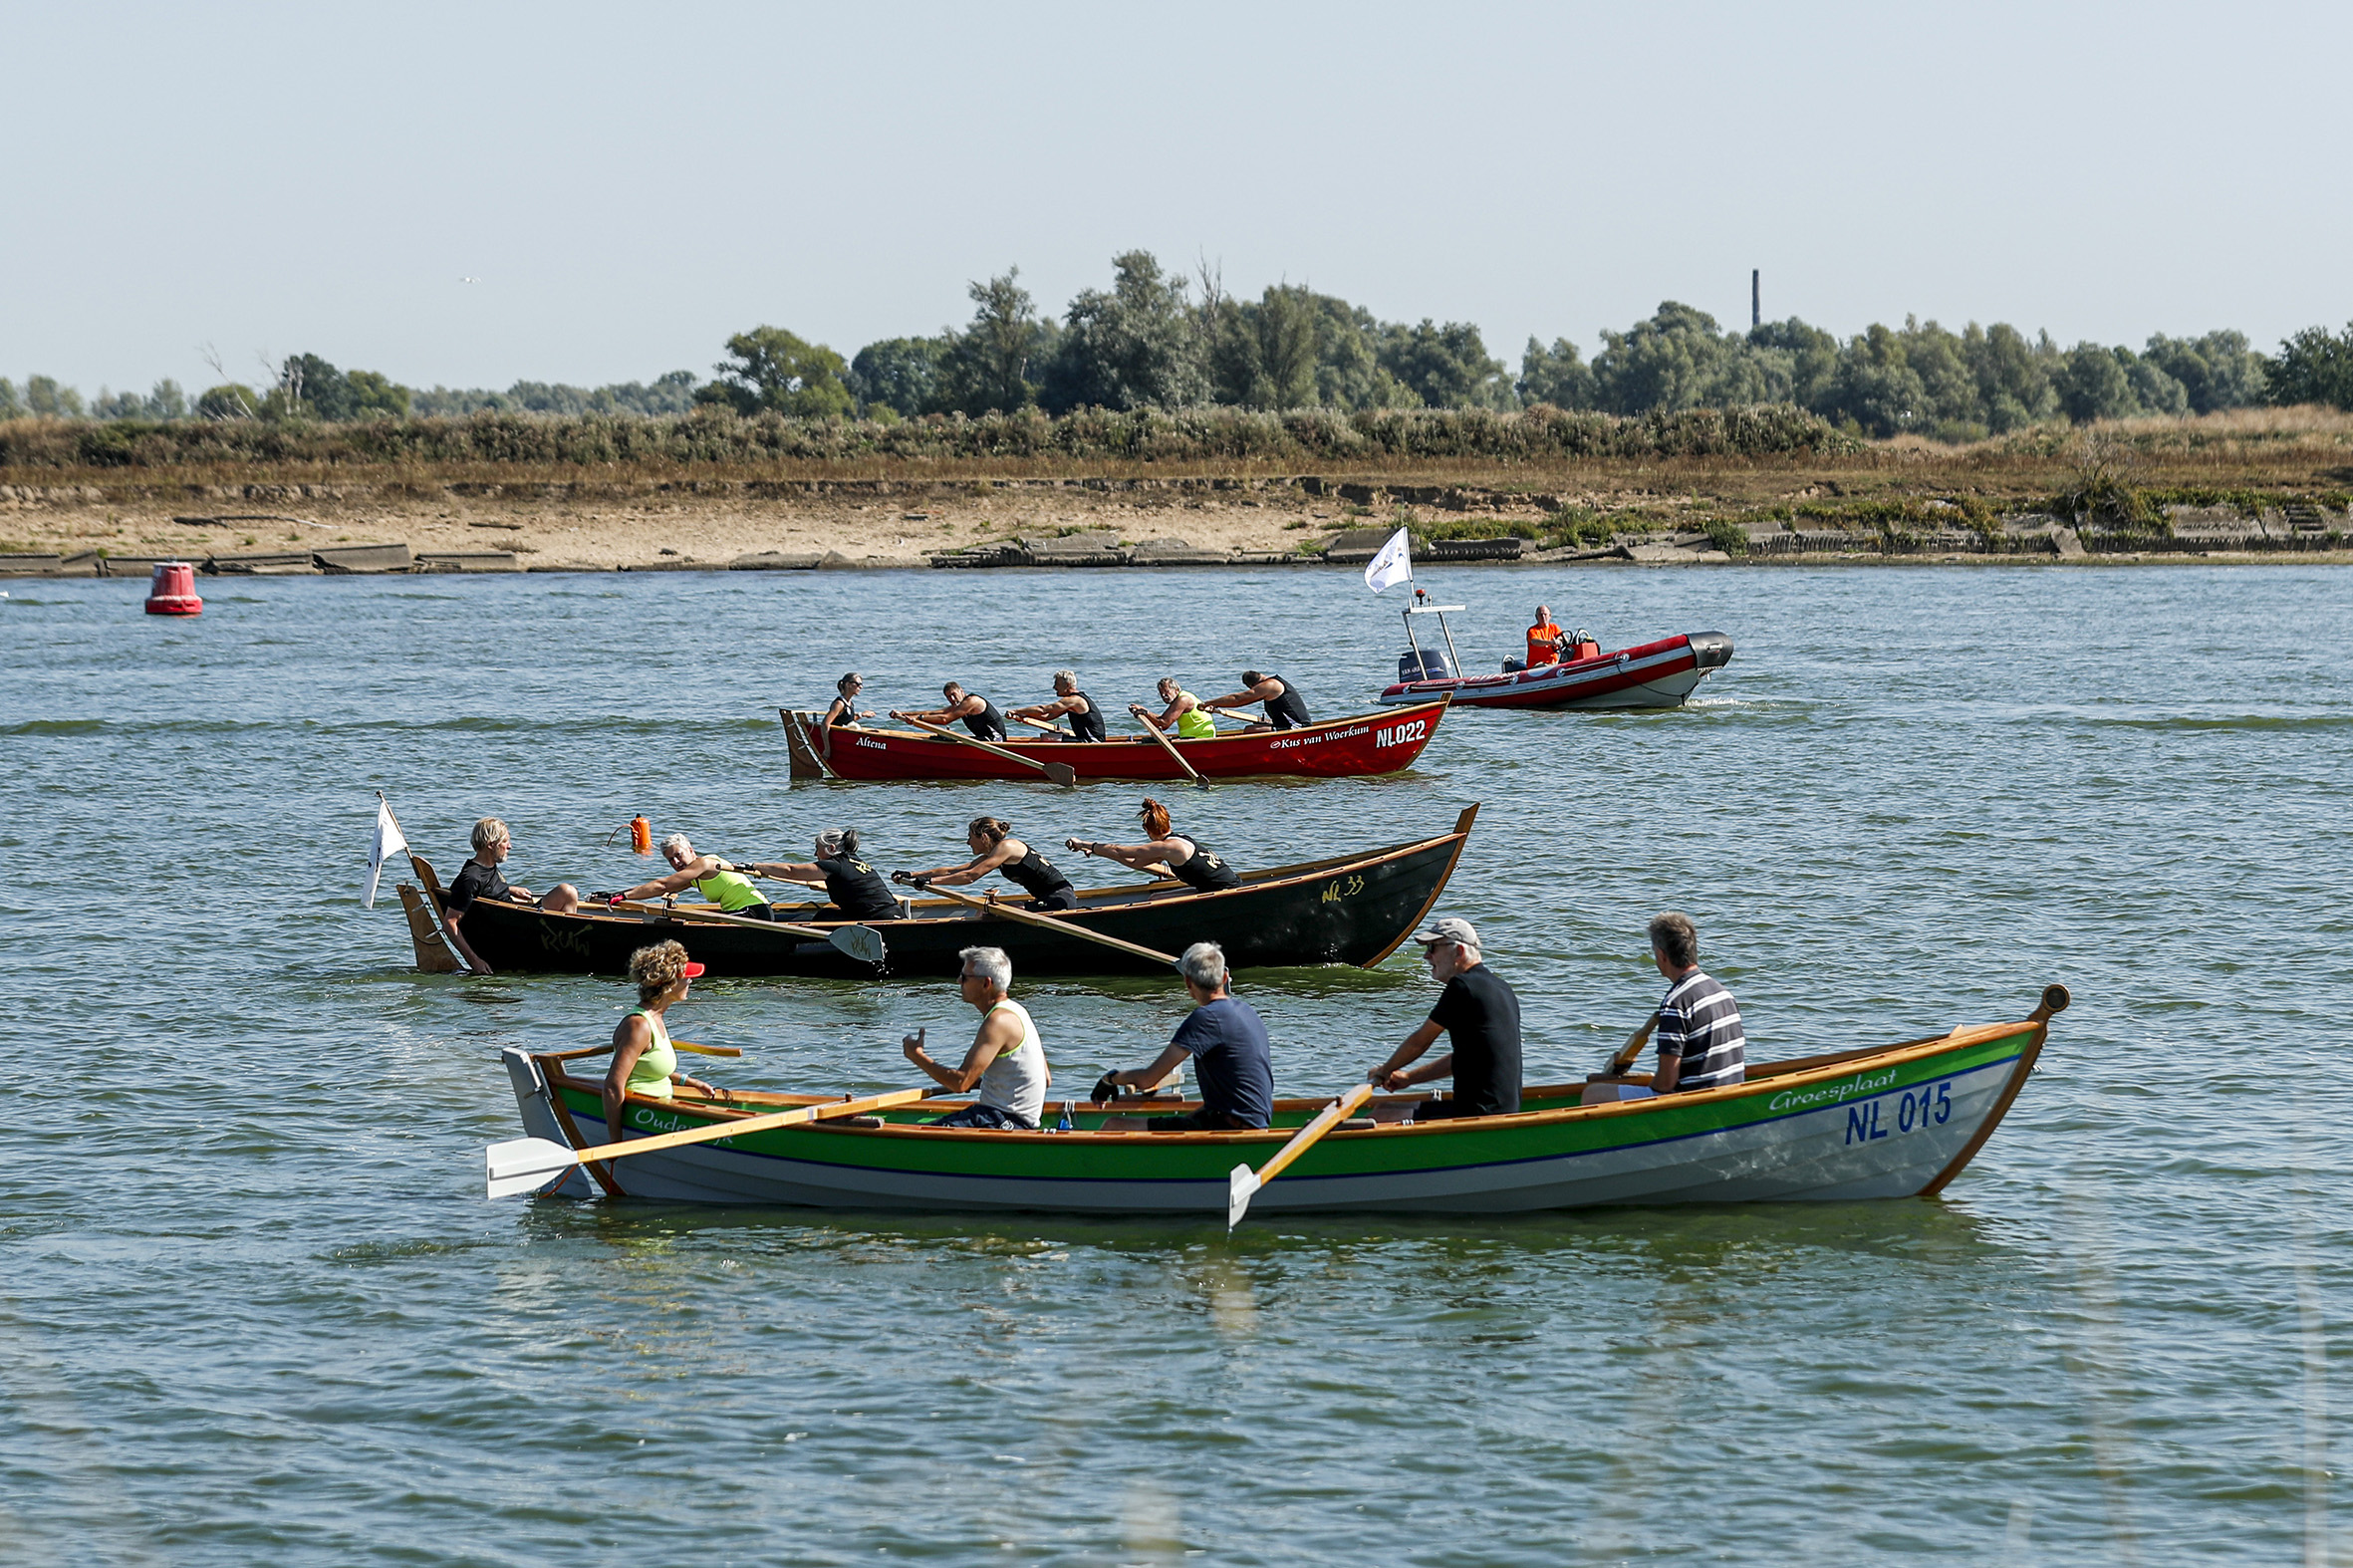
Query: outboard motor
point(1426, 663)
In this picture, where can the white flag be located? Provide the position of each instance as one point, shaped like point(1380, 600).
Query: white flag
point(388, 844)
point(1393, 565)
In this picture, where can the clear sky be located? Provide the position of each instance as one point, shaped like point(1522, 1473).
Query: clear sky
point(628, 185)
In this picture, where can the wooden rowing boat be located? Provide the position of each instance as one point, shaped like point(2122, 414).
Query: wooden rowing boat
point(1896, 1121)
point(1361, 746)
point(1350, 909)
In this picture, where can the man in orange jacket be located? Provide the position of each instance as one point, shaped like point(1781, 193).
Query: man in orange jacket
point(1543, 639)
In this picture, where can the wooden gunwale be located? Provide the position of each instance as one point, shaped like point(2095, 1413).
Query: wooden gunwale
point(1893, 1056)
point(603, 1175)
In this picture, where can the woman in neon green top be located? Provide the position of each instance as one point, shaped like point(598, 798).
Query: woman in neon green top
point(643, 1061)
point(1185, 711)
point(722, 884)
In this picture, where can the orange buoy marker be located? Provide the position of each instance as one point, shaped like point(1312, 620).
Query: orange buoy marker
point(641, 836)
point(173, 592)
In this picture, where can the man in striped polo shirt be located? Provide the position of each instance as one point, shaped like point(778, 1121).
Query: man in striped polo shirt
point(1699, 1040)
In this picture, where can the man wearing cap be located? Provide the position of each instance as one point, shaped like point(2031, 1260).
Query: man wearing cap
point(1479, 1015)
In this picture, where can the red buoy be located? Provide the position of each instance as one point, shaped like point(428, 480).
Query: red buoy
point(174, 592)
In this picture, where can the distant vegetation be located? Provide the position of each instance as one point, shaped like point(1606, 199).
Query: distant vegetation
point(1176, 347)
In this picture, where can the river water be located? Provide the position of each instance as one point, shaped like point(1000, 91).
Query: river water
point(254, 1309)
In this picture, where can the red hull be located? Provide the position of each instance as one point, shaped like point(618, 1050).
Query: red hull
point(1358, 747)
point(1656, 674)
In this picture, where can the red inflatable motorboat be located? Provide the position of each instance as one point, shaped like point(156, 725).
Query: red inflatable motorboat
point(1654, 675)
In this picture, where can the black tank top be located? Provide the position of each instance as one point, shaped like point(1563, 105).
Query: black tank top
point(1289, 710)
point(858, 889)
point(988, 723)
point(845, 717)
point(1034, 874)
point(1088, 726)
point(1204, 869)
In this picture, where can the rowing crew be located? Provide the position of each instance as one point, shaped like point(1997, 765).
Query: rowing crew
point(854, 890)
point(1700, 1041)
point(1179, 713)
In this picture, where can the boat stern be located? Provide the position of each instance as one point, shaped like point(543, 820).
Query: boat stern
point(533, 1099)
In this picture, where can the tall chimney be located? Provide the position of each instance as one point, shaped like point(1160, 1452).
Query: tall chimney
point(1755, 298)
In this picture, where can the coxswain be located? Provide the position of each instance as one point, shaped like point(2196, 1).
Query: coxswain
point(643, 1061)
point(1285, 709)
point(843, 712)
point(1544, 640)
point(480, 878)
point(854, 887)
point(1006, 1062)
point(1479, 1015)
point(1086, 720)
point(1184, 712)
point(717, 881)
point(995, 848)
point(1166, 853)
point(976, 713)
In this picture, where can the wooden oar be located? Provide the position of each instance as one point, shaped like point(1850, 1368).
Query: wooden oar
point(1056, 772)
point(861, 942)
point(1631, 1049)
point(1066, 928)
point(525, 1165)
point(1169, 746)
point(1243, 1182)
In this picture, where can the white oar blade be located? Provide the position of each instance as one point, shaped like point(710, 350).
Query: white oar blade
point(525, 1165)
point(1242, 1182)
point(861, 942)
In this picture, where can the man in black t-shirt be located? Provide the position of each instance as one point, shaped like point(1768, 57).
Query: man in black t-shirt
point(479, 878)
point(1479, 1015)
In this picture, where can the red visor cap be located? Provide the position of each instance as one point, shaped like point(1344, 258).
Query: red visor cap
point(693, 971)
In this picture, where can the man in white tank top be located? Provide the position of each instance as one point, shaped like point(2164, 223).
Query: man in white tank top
point(1006, 1060)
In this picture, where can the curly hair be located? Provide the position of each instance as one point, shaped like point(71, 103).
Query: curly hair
point(657, 969)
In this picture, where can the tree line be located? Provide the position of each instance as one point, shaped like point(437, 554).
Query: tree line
point(1161, 340)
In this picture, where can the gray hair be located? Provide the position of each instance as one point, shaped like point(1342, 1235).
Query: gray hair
point(1204, 963)
point(991, 964)
point(490, 831)
point(837, 841)
point(676, 840)
point(1675, 938)
point(1071, 676)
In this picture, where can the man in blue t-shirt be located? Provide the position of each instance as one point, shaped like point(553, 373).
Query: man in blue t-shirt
point(1226, 1040)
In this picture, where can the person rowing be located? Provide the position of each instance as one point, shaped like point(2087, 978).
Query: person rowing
point(717, 880)
point(855, 888)
point(995, 848)
point(1184, 712)
point(1226, 1041)
point(1478, 1012)
point(1086, 720)
point(1285, 709)
point(974, 711)
point(1166, 853)
point(1005, 1063)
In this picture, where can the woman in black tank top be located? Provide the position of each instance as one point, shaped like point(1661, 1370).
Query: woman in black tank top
point(995, 848)
point(1167, 854)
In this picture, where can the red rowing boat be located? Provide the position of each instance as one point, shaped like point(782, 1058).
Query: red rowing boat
point(1357, 747)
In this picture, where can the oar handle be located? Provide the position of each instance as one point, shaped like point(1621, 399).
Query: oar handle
point(973, 740)
point(1631, 1048)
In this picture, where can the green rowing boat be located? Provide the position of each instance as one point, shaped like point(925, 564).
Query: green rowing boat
point(1898, 1121)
